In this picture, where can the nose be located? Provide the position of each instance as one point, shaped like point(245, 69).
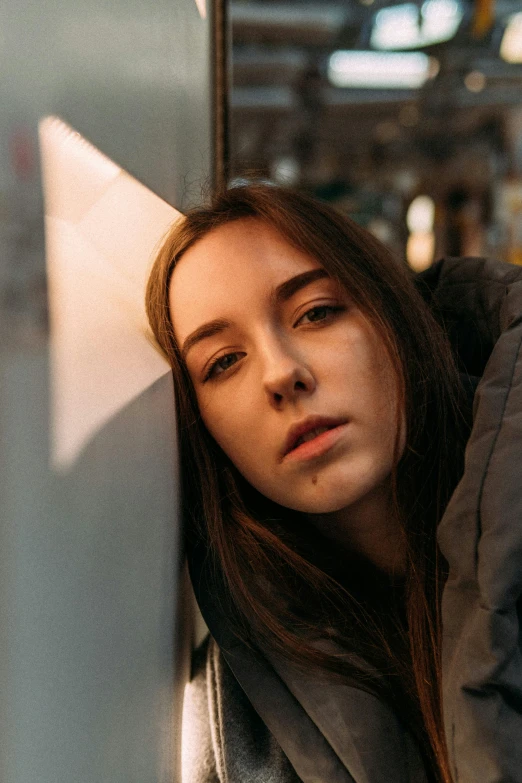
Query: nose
point(286, 375)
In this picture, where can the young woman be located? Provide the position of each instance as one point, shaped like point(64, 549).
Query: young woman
point(322, 423)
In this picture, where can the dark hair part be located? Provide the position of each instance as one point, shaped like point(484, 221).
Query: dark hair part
point(287, 586)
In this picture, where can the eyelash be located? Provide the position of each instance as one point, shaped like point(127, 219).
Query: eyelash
point(333, 309)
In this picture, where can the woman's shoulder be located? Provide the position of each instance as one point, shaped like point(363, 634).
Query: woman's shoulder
point(477, 300)
point(468, 271)
point(471, 286)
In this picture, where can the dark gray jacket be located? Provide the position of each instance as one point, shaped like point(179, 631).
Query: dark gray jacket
point(250, 720)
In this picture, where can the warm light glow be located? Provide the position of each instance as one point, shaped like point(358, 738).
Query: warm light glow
point(475, 81)
point(102, 227)
point(511, 46)
point(420, 250)
point(202, 8)
point(378, 69)
point(190, 739)
point(421, 214)
point(404, 26)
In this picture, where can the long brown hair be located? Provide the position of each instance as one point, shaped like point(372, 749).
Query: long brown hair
point(285, 584)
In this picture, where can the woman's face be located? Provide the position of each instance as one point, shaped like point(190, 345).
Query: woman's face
point(275, 347)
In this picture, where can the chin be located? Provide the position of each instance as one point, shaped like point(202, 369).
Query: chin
point(329, 497)
point(316, 505)
point(320, 508)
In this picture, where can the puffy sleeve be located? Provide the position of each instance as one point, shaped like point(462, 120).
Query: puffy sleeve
point(481, 532)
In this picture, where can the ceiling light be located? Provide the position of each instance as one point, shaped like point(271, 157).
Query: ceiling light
point(286, 170)
point(511, 46)
point(440, 20)
point(378, 69)
point(406, 26)
point(421, 214)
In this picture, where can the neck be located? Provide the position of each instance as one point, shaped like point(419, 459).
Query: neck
point(368, 528)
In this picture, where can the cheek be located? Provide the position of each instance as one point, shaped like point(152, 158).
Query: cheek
point(228, 426)
point(217, 422)
point(383, 395)
point(235, 433)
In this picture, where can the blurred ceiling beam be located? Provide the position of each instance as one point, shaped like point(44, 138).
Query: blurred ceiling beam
point(283, 66)
point(497, 95)
point(264, 99)
point(504, 8)
point(333, 97)
point(493, 68)
point(311, 24)
point(280, 98)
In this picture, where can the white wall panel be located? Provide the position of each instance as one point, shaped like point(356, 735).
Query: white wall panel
point(92, 663)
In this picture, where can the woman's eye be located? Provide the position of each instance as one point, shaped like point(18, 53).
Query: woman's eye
point(319, 313)
point(220, 365)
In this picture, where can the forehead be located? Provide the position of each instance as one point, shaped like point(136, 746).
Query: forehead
point(231, 270)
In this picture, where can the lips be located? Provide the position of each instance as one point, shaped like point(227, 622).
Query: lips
point(301, 431)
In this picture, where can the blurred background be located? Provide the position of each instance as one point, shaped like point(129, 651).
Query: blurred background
point(406, 115)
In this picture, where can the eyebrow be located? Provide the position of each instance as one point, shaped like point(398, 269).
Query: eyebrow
point(282, 293)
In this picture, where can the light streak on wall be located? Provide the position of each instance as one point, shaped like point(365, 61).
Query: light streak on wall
point(102, 227)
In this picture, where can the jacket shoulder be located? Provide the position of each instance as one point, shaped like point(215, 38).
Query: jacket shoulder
point(475, 300)
point(480, 534)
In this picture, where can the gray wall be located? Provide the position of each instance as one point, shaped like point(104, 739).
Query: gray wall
point(91, 665)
